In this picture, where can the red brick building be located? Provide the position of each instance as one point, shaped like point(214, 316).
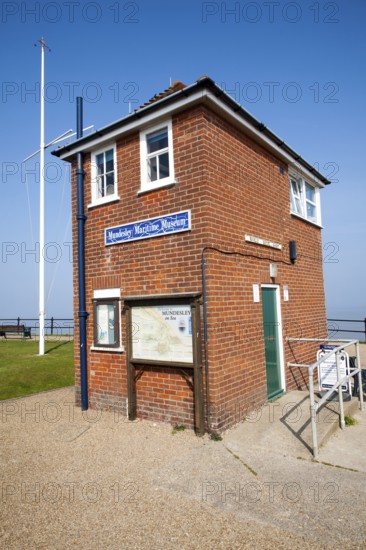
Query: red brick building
point(191, 282)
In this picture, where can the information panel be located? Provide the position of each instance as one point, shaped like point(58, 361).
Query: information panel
point(105, 324)
point(162, 333)
point(327, 370)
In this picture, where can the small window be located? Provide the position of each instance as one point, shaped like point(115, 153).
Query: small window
point(106, 323)
point(157, 155)
point(104, 179)
point(310, 202)
point(296, 197)
point(304, 199)
point(156, 147)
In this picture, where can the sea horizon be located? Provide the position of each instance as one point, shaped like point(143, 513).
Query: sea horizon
point(342, 313)
point(337, 312)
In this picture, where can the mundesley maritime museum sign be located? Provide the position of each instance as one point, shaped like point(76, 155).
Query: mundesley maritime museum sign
point(146, 229)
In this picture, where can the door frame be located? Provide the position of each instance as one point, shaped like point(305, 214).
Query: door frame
point(280, 332)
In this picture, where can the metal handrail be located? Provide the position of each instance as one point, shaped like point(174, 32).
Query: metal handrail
point(315, 405)
point(353, 331)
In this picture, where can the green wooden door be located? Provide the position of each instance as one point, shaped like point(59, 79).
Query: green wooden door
point(271, 341)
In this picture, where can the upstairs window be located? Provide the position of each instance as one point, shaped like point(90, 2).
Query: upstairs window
point(157, 155)
point(157, 165)
point(310, 203)
point(304, 199)
point(104, 176)
point(296, 197)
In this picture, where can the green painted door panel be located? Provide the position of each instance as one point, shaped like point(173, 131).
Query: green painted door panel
point(271, 341)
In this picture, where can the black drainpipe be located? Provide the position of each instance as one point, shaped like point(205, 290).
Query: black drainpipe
point(205, 338)
point(81, 218)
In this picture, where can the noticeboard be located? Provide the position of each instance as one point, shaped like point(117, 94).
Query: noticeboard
point(162, 333)
point(327, 370)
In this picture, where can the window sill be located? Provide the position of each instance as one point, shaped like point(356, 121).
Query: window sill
point(102, 202)
point(316, 224)
point(157, 187)
point(109, 350)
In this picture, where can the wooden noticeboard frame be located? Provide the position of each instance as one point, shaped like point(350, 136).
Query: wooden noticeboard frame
point(135, 366)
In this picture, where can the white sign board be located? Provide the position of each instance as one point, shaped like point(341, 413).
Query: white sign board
point(256, 295)
point(162, 333)
point(262, 242)
point(327, 370)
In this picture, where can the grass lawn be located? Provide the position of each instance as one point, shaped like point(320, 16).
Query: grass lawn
point(23, 371)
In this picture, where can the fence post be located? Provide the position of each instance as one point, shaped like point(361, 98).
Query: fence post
point(340, 394)
point(365, 327)
point(19, 321)
point(360, 386)
point(313, 411)
point(51, 326)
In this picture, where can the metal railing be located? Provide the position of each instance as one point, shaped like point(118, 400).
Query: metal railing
point(316, 405)
point(336, 329)
point(54, 326)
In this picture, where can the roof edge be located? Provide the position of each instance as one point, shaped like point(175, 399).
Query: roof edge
point(219, 93)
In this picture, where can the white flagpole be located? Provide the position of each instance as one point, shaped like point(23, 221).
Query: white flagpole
point(42, 313)
point(41, 150)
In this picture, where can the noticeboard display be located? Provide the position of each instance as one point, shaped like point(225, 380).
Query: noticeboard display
point(162, 333)
point(105, 324)
point(327, 370)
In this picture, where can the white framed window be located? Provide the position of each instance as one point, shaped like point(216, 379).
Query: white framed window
point(156, 154)
point(296, 196)
point(104, 176)
point(107, 320)
point(305, 200)
point(310, 203)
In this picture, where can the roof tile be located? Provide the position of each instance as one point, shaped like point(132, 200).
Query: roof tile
point(174, 87)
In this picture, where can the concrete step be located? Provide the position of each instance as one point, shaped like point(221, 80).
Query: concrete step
point(284, 426)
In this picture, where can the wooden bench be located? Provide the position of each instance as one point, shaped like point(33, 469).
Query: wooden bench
point(20, 330)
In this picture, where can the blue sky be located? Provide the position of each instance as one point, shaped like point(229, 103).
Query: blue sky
point(296, 66)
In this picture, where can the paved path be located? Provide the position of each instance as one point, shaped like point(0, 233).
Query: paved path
point(94, 481)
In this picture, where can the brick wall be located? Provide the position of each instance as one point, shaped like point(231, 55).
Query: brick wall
point(244, 174)
point(233, 187)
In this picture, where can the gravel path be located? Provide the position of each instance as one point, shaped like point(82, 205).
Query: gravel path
point(96, 481)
